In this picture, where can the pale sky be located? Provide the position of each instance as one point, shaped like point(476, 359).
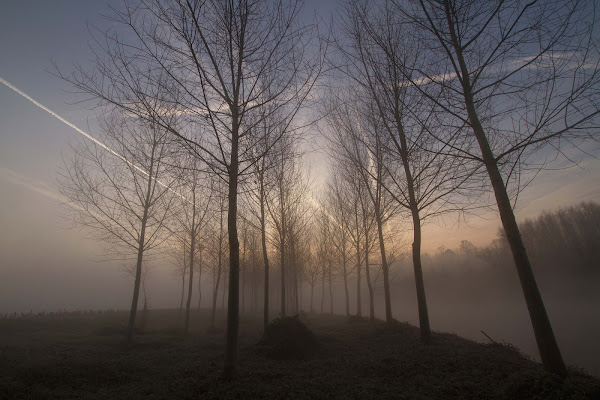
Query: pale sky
point(45, 265)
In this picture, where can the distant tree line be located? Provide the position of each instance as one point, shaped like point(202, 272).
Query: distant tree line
point(562, 244)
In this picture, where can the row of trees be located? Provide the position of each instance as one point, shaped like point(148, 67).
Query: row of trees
point(455, 98)
point(428, 106)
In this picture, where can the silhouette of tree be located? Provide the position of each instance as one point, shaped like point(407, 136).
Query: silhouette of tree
point(218, 64)
point(122, 191)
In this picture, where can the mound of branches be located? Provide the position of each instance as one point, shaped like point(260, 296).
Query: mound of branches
point(287, 338)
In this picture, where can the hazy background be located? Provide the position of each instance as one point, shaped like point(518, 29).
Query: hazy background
point(47, 266)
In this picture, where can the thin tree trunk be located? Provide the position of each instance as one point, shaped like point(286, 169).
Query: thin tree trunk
point(295, 277)
point(368, 274)
point(384, 265)
point(191, 279)
point(226, 281)
point(301, 294)
point(358, 264)
point(182, 293)
point(218, 277)
point(189, 298)
point(136, 285)
point(253, 275)
point(312, 290)
point(199, 277)
point(144, 319)
point(214, 302)
point(345, 280)
point(331, 289)
point(234, 256)
point(282, 250)
point(243, 268)
point(140, 254)
point(263, 234)
point(416, 246)
point(323, 289)
point(421, 300)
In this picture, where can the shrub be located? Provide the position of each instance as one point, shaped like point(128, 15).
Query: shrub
point(288, 339)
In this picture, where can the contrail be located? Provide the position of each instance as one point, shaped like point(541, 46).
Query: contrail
point(64, 121)
point(82, 132)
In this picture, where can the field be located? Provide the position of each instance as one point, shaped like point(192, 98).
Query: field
point(82, 356)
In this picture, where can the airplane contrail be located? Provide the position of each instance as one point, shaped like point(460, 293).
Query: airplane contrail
point(82, 132)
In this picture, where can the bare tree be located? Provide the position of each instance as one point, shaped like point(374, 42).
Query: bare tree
point(217, 242)
point(121, 192)
point(298, 223)
point(524, 78)
point(268, 131)
point(337, 212)
point(325, 252)
point(358, 146)
point(196, 195)
point(426, 180)
point(131, 270)
point(285, 207)
point(222, 62)
point(200, 247)
point(313, 269)
point(179, 260)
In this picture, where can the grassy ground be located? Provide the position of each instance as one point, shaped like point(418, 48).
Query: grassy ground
point(81, 356)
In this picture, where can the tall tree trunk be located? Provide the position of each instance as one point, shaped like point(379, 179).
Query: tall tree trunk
point(421, 300)
point(234, 255)
point(191, 279)
point(263, 235)
point(416, 246)
point(136, 286)
point(544, 335)
point(282, 248)
point(368, 274)
point(345, 280)
point(144, 319)
point(384, 264)
point(182, 293)
point(218, 277)
point(223, 293)
point(294, 276)
point(282, 271)
point(323, 289)
point(214, 302)
point(189, 298)
point(253, 276)
point(331, 289)
point(199, 276)
point(243, 268)
point(140, 254)
point(358, 265)
point(300, 294)
point(312, 291)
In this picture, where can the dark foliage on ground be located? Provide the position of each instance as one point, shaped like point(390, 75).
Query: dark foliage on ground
point(81, 356)
point(287, 338)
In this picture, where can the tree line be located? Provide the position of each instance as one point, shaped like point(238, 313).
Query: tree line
point(427, 107)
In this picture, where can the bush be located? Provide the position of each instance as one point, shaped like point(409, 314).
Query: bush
point(355, 319)
point(288, 339)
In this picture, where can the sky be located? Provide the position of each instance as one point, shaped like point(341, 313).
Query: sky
point(45, 264)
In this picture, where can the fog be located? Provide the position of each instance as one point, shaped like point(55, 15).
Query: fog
point(469, 289)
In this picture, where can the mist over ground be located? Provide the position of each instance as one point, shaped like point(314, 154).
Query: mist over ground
point(469, 289)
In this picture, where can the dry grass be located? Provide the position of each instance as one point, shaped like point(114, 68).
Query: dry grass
point(82, 357)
